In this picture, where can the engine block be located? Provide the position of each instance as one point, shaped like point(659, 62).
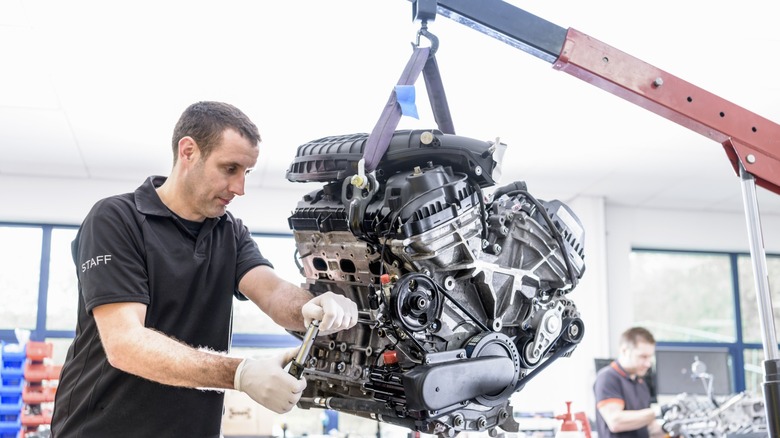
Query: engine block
point(693, 416)
point(461, 299)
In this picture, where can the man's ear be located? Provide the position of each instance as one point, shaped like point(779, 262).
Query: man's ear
point(188, 149)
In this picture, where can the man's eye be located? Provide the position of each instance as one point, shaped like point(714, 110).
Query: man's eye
point(231, 170)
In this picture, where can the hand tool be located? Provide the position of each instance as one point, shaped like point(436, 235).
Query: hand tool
point(299, 363)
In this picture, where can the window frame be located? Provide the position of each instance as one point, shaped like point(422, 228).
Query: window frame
point(40, 333)
point(737, 348)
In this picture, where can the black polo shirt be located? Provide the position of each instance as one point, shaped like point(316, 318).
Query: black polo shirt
point(614, 384)
point(131, 248)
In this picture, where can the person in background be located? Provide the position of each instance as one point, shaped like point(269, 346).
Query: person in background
point(622, 395)
point(157, 272)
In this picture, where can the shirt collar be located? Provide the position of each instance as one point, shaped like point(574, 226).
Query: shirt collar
point(148, 202)
point(623, 372)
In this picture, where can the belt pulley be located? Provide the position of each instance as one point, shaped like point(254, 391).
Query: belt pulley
point(415, 302)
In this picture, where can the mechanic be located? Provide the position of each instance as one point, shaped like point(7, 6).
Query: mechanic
point(158, 269)
point(622, 395)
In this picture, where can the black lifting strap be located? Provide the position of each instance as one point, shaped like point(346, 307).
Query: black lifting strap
point(422, 60)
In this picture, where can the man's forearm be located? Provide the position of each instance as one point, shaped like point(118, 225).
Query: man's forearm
point(655, 429)
point(623, 421)
point(285, 305)
point(278, 298)
point(154, 356)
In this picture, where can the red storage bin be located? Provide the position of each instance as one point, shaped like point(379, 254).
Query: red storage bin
point(38, 351)
point(37, 394)
point(37, 372)
point(31, 420)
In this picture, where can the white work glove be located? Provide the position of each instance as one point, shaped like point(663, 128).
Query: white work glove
point(335, 312)
point(266, 382)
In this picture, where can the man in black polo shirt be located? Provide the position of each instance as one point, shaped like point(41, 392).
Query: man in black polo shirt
point(158, 269)
point(622, 395)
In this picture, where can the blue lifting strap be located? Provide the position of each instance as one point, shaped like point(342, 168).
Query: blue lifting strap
point(421, 61)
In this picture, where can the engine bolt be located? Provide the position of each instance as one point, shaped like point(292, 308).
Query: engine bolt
point(496, 249)
point(458, 421)
point(485, 244)
point(482, 422)
point(341, 367)
point(368, 351)
point(574, 330)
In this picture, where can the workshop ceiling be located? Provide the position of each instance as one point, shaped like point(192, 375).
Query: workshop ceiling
point(91, 89)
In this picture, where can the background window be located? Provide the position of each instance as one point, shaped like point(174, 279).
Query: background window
point(20, 267)
point(62, 298)
point(280, 250)
point(754, 370)
point(751, 325)
point(684, 296)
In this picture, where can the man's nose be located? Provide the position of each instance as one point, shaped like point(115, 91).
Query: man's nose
point(237, 185)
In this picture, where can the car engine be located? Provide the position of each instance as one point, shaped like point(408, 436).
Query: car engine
point(462, 298)
point(691, 416)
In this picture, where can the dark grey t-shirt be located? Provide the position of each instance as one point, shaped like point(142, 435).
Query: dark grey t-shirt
point(131, 248)
point(614, 384)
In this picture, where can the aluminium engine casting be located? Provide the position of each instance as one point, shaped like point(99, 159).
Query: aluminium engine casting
point(461, 299)
point(691, 416)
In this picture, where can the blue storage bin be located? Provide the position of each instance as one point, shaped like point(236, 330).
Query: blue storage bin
point(10, 429)
point(12, 355)
point(11, 376)
point(10, 412)
point(10, 394)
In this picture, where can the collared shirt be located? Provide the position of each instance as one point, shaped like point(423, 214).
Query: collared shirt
point(614, 385)
point(131, 248)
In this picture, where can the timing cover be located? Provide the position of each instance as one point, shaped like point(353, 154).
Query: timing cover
point(461, 299)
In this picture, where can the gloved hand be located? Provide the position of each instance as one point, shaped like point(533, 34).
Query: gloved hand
point(335, 312)
point(266, 382)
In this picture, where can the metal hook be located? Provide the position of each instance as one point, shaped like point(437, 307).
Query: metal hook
point(431, 37)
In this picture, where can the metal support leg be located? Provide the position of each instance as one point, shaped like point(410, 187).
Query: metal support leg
point(765, 315)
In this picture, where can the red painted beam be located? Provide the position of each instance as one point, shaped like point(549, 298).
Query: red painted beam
point(746, 136)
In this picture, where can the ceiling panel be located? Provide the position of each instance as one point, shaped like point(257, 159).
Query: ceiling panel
point(38, 142)
point(114, 77)
point(25, 81)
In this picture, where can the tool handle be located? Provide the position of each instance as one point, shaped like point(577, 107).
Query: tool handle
point(299, 363)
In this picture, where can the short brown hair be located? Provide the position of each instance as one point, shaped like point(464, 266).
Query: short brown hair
point(206, 121)
point(634, 335)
